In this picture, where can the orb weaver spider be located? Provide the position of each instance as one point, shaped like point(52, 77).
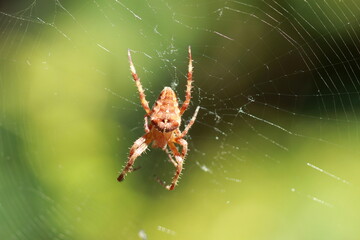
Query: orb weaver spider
point(163, 129)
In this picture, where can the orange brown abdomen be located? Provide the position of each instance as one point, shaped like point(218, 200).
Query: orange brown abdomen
point(166, 113)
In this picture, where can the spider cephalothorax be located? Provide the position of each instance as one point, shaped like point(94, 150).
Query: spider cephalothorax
point(163, 129)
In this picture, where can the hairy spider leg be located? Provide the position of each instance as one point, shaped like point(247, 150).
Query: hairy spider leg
point(146, 124)
point(187, 128)
point(177, 164)
point(179, 158)
point(170, 157)
point(188, 85)
point(136, 150)
point(144, 102)
point(184, 144)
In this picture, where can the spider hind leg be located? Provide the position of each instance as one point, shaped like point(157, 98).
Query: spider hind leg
point(179, 168)
point(136, 150)
point(178, 163)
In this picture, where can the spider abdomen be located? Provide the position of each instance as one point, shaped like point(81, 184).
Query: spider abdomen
point(166, 113)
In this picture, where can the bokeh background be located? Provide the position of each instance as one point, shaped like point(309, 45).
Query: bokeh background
point(273, 153)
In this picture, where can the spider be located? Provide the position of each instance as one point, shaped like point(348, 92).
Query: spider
point(163, 128)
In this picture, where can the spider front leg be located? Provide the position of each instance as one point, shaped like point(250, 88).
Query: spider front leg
point(136, 150)
point(188, 85)
point(136, 78)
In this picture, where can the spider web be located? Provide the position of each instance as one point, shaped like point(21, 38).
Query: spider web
point(276, 137)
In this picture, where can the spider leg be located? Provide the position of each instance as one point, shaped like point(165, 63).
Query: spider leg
point(188, 85)
point(170, 157)
point(136, 150)
point(187, 128)
point(146, 124)
point(179, 160)
point(183, 143)
point(144, 103)
point(162, 183)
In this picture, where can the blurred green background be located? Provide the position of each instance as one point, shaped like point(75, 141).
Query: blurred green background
point(273, 153)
